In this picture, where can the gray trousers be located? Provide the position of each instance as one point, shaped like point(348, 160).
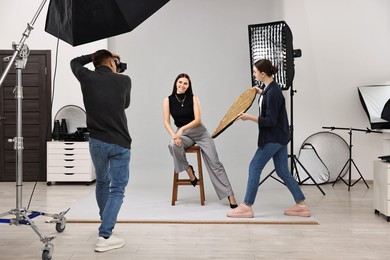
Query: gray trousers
point(200, 136)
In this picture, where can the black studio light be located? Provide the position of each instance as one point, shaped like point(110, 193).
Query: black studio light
point(274, 41)
point(82, 21)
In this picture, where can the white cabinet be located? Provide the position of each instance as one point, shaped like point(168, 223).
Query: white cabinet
point(69, 162)
point(382, 188)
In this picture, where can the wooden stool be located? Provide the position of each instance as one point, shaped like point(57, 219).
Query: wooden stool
point(177, 181)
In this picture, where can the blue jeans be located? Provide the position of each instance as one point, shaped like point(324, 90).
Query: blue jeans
point(111, 163)
point(278, 153)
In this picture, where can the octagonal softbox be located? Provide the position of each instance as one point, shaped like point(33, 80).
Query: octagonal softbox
point(82, 21)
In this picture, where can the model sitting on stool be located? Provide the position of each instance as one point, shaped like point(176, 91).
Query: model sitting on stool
point(184, 108)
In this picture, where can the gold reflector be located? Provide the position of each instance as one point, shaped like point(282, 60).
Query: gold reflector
point(240, 105)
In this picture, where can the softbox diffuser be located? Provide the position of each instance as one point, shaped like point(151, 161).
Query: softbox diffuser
point(82, 21)
point(373, 99)
point(273, 41)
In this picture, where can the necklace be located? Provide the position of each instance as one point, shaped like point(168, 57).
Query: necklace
point(181, 101)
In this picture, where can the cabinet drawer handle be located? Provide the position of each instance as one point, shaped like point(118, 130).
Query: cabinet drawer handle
point(69, 167)
point(69, 154)
point(69, 173)
point(68, 160)
point(69, 149)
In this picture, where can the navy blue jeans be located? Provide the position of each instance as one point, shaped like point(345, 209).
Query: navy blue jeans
point(111, 163)
point(278, 153)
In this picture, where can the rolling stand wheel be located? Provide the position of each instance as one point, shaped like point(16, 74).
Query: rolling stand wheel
point(60, 225)
point(61, 221)
point(48, 251)
point(376, 212)
point(45, 255)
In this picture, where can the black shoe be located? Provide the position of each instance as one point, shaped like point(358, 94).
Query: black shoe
point(195, 181)
point(232, 206)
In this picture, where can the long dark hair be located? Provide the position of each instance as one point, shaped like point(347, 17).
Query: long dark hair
point(266, 66)
point(189, 89)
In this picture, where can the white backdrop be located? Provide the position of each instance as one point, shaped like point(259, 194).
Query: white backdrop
point(344, 45)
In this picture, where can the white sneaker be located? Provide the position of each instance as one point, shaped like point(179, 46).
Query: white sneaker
point(113, 242)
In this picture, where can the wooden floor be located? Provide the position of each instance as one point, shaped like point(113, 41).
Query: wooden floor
point(348, 229)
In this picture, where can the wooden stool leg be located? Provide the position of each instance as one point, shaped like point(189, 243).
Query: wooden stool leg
point(201, 186)
point(175, 188)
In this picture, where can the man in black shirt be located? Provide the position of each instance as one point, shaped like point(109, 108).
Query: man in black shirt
point(106, 95)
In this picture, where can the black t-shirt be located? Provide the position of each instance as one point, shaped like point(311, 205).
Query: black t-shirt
point(181, 107)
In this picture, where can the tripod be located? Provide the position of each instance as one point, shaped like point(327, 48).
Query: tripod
point(23, 216)
point(350, 160)
point(293, 158)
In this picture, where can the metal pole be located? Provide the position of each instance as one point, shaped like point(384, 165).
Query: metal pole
point(292, 128)
point(18, 141)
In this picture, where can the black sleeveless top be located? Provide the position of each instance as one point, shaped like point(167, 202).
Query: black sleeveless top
point(181, 107)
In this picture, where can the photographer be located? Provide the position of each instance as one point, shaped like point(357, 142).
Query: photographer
point(106, 95)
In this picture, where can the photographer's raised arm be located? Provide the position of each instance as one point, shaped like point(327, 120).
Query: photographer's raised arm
point(77, 64)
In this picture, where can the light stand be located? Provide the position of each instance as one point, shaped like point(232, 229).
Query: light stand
point(350, 160)
point(22, 215)
point(273, 41)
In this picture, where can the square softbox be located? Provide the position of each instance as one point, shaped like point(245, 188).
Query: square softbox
point(374, 99)
point(82, 21)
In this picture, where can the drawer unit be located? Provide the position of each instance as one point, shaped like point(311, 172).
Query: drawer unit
point(69, 162)
point(382, 188)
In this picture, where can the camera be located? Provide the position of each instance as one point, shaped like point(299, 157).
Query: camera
point(120, 66)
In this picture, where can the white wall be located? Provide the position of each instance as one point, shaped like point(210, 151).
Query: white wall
point(344, 45)
point(209, 41)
